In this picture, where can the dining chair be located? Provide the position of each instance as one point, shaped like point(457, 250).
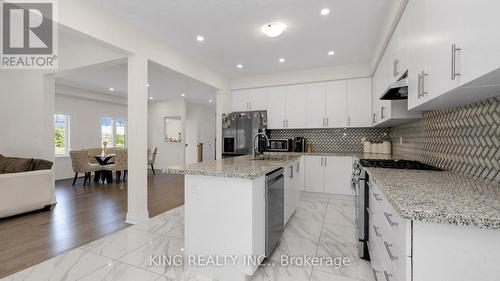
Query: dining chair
point(80, 164)
point(120, 164)
point(151, 161)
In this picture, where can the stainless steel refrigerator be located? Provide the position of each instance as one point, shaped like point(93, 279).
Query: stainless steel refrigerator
point(238, 130)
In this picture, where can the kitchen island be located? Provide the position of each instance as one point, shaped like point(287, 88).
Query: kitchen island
point(225, 213)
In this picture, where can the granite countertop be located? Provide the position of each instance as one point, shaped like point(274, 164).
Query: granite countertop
point(440, 196)
point(359, 155)
point(236, 167)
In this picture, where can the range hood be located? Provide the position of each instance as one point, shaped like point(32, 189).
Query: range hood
point(397, 90)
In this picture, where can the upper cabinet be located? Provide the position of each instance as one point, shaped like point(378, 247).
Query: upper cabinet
point(453, 52)
point(359, 109)
point(249, 99)
point(295, 106)
point(336, 104)
point(276, 107)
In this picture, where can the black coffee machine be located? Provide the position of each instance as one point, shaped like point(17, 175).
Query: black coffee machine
point(299, 144)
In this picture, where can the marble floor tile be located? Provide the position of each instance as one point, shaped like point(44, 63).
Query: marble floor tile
point(340, 213)
point(294, 246)
point(310, 211)
point(282, 273)
point(180, 275)
point(69, 266)
point(339, 235)
point(158, 248)
point(118, 271)
point(357, 268)
point(304, 228)
point(170, 223)
point(323, 276)
point(120, 243)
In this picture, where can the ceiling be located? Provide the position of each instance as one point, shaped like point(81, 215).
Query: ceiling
point(165, 84)
point(232, 31)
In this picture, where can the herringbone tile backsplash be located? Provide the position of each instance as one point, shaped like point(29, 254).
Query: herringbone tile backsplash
point(334, 140)
point(464, 139)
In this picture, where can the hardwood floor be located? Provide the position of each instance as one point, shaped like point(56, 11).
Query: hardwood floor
point(82, 214)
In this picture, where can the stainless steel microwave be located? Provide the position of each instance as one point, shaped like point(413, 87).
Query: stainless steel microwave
point(281, 145)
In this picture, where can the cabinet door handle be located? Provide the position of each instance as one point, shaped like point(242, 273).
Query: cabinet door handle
point(327, 121)
point(396, 66)
point(324, 122)
point(298, 167)
point(291, 171)
point(454, 50)
point(382, 112)
point(423, 74)
point(376, 196)
point(388, 217)
point(375, 229)
point(388, 249)
point(283, 123)
point(348, 121)
point(387, 275)
point(374, 116)
point(326, 163)
point(321, 161)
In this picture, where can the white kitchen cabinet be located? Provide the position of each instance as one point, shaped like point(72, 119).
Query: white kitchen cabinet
point(328, 174)
point(295, 106)
point(359, 106)
point(337, 177)
point(249, 99)
point(276, 107)
point(315, 105)
point(452, 62)
point(314, 173)
point(336, 104)
point(292, 189)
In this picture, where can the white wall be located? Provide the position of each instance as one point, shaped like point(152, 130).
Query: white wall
point(168, 153)
point(204, 118)
point(26, 119)
point(85, 128)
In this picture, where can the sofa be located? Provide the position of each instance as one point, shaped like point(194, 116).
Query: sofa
point(25, 185)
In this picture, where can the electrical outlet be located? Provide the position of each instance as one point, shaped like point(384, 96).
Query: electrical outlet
point(401, 140)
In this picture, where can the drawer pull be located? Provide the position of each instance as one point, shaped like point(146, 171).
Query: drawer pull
point(377, 196)
point(375, 272)
point(388, 249)
point(388, 217)
point(387, 275)
point(376, 231)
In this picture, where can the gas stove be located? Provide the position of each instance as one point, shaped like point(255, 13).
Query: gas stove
point(397, 164)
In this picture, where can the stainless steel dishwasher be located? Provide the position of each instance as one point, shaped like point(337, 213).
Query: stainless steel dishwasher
point(275, 208)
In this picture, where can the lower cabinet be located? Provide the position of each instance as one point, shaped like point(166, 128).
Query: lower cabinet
point(328, 174)
point(293, 186)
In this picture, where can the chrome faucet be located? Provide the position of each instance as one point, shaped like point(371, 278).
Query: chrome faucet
point(254, 138)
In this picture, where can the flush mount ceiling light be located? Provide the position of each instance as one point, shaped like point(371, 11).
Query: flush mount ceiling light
point(239, 66)
point(183, 95)
point(331, 53)
point(111, 89)
point(273, 29)
point(282, 60)
point(200, 38)
point(325, 11)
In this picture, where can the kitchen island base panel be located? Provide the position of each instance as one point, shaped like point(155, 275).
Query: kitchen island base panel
point(224, 216)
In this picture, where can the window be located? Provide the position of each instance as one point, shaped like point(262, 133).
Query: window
point(61, 134)
point(121, 127)
point(113, 132)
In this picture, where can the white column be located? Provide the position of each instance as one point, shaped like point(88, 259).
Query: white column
point(223, 106)
point(137, 203)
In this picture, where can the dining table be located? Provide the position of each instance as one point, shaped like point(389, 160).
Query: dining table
point(103, 175)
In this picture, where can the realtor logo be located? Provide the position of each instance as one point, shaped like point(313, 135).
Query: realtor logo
point(28, 35)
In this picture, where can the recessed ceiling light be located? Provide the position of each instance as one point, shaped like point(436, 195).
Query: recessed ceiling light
point(209, 100)
point(151, 98)
point(200, 38)
point(282, 60)
point(147, 85)
point(273, 29)
point(183, 95)
point(331, 53)
point(239, 66)
point(111, 89)
point(325, 11)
